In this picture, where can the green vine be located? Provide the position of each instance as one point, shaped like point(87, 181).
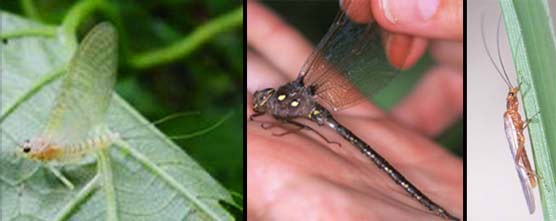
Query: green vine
point(191, 42)
point(30, 10)
point(75, 16)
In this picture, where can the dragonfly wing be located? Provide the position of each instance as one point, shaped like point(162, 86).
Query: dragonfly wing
point(348, 62)
point(511, 135)
point(86, 90)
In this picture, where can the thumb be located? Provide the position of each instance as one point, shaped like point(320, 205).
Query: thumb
point(440, 19)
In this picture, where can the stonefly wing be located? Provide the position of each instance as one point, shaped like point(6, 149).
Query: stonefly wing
point(510, 129)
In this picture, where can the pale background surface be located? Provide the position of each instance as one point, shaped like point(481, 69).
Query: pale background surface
point(493, 188)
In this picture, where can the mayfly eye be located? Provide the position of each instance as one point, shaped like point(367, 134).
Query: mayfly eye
point(26, 149)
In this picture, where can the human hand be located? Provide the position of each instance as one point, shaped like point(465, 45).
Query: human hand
point(284, 181)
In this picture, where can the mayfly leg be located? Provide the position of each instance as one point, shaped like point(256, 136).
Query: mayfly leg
point(60, 176)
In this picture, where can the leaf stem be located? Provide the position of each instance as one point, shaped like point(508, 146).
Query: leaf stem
point(191, 42)
point(105, 169)
point(77, 201)
point(166, 177)
point(46, 31)
point(40, 83)
point(531, 38)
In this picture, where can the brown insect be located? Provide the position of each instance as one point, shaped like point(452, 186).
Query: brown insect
point(514, 127)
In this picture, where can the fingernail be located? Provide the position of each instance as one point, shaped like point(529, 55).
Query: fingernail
point(388, 8)
point(427, 8)
point(409, 11)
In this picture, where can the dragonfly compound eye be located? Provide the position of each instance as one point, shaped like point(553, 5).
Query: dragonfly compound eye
point(260, 99)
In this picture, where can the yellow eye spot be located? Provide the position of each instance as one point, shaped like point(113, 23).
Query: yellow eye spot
point(316, 112)
point(281, 97)
point(294, 103)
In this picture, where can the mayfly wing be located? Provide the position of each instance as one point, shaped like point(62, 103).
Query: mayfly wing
point(511, 135)
point(86, 91)
point(349, 59)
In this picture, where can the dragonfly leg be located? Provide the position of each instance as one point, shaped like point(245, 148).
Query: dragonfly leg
point(303, 126)
point(61, 177)
point(299, 128)
point(268, 125)
point(264, 124)
point(252, 116)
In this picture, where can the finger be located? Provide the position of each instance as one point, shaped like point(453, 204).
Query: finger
point(442, 19)
point(403, 50)
point(261, 74)
point(249, 106)
point(435, 104)
point(275, 40)
point(448, 53)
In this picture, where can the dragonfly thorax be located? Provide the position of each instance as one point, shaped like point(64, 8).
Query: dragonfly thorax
point(291, 100)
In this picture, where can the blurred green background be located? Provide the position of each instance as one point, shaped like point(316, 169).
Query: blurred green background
point(314, 25)
point(208, 80)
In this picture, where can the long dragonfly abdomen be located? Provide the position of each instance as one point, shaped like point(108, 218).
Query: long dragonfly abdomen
point(389, 169)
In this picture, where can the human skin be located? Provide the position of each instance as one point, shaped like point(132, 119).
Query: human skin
point(301, 177)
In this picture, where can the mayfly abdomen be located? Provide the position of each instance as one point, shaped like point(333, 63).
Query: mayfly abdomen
point(90, 145)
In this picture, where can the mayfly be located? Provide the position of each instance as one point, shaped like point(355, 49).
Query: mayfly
point(347, 51)
point(514, 126)
point(76, 127)
point(76, 124)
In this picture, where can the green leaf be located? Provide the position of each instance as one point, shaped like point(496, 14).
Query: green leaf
point(531, 36)
point(145, 178)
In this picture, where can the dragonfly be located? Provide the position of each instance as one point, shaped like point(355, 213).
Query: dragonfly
point(76, 125)
point(350, 56)
point(514, 125)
